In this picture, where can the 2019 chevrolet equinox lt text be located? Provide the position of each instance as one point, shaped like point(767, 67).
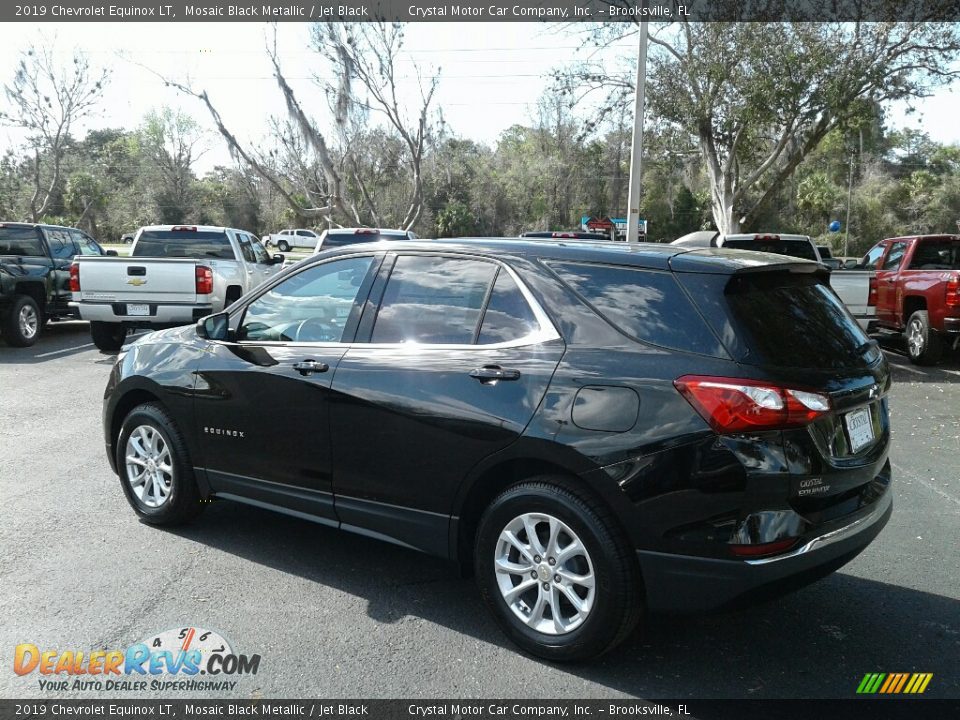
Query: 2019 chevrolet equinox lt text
point(598, 430)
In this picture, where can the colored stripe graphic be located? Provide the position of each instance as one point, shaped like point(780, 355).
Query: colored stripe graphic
point(894, 683)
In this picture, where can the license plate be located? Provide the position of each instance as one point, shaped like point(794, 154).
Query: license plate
point(859, 428)
point(138, 309)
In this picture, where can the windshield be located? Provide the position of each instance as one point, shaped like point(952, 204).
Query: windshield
point(199, 245)
point(20, 241)
point(793, 248)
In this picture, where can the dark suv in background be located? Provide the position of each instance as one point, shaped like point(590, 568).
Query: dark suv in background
point(35, 276)
point(597, 429)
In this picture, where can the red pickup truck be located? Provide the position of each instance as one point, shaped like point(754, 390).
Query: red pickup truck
point(917, 292)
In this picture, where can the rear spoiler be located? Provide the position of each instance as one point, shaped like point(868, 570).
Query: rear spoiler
point(728, 261)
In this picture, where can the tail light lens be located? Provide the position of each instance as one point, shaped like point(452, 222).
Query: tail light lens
point(872, 294)
point(75, 277)
point(204, 280)
point(734, 405)
point(952, 299)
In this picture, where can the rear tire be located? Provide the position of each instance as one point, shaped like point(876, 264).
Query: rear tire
point(584, 600)
point(283, 246)
point(21, 327)
point(924, 346)
point(108, 337)
point(155, 469)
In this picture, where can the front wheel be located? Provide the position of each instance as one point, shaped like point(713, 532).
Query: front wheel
point(923, 343)
point(284, 246)
point(108, 337)
point(155, 469)
point(556, 572)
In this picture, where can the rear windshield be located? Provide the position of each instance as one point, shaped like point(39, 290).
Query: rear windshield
point(335, 240)
point(936, 255)
point(183, 244)
point(780, 319)
point(20, 241)
point(793, 248)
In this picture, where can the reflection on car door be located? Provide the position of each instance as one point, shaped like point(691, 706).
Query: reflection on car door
point(456, 363)
point(289, 341)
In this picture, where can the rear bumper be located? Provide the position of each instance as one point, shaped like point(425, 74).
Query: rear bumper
point(161, 315)
point(679, 583)
point(951, 325)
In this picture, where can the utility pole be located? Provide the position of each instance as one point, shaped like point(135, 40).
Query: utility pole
point(636, 155)
point(846, 234)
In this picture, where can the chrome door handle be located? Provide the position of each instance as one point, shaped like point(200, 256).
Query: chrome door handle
point(489, 374)
point(308, 367)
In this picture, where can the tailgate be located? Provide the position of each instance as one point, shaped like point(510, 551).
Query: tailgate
point(138, 280)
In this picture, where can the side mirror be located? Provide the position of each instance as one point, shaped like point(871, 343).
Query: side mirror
point(112, 253)
point(214, 327)
point(278, 259)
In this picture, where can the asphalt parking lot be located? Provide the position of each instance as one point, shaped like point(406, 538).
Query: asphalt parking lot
point(335, 615)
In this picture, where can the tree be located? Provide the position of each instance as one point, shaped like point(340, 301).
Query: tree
point(331, 185)
point(48, 100)
point(172, 142)
point(760, 97)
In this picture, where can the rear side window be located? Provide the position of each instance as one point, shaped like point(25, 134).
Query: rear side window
point(780, 319)
point(61, 244)
point(433, 300)
point(20, 241)
point(792, 248)
point(941, 254)
point(199, 245)
point(508, 315)
point(644, 304)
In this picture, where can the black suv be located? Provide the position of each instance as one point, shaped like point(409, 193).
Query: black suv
point(35, 276)
point(597, 430)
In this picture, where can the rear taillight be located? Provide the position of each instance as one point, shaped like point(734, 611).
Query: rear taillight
point(75, 277)
point(872, 293)
point(952, 299)
point(204, 280)
point(734, 405)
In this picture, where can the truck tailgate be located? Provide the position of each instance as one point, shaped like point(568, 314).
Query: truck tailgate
point(138, 280)
point(853, 287)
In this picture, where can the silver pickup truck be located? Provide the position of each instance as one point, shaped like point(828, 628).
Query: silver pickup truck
point(175, 274)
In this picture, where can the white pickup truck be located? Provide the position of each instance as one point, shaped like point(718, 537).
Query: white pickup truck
point(175, 274)
point(292, 238)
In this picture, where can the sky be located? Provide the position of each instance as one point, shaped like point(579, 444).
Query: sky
point(491, 74)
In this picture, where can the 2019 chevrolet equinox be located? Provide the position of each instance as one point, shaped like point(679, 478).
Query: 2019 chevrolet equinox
point(599, 430)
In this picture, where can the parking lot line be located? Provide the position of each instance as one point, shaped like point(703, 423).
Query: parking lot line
point(926, 483)
point(76, 347)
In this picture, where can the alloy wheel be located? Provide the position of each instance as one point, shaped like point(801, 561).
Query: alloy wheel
point(29, 322)
point(149, 466)
point(545, 573)
point(915, 338)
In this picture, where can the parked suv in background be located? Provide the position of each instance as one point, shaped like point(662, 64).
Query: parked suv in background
point(596, 428)
point(35, 276)
point(338, 237)
point(292, 238)
point(916, 291)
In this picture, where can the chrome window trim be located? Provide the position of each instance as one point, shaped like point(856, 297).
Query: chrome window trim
point(546, 333)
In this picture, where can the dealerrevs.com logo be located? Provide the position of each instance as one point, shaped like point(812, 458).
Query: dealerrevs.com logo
point(168, 661)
